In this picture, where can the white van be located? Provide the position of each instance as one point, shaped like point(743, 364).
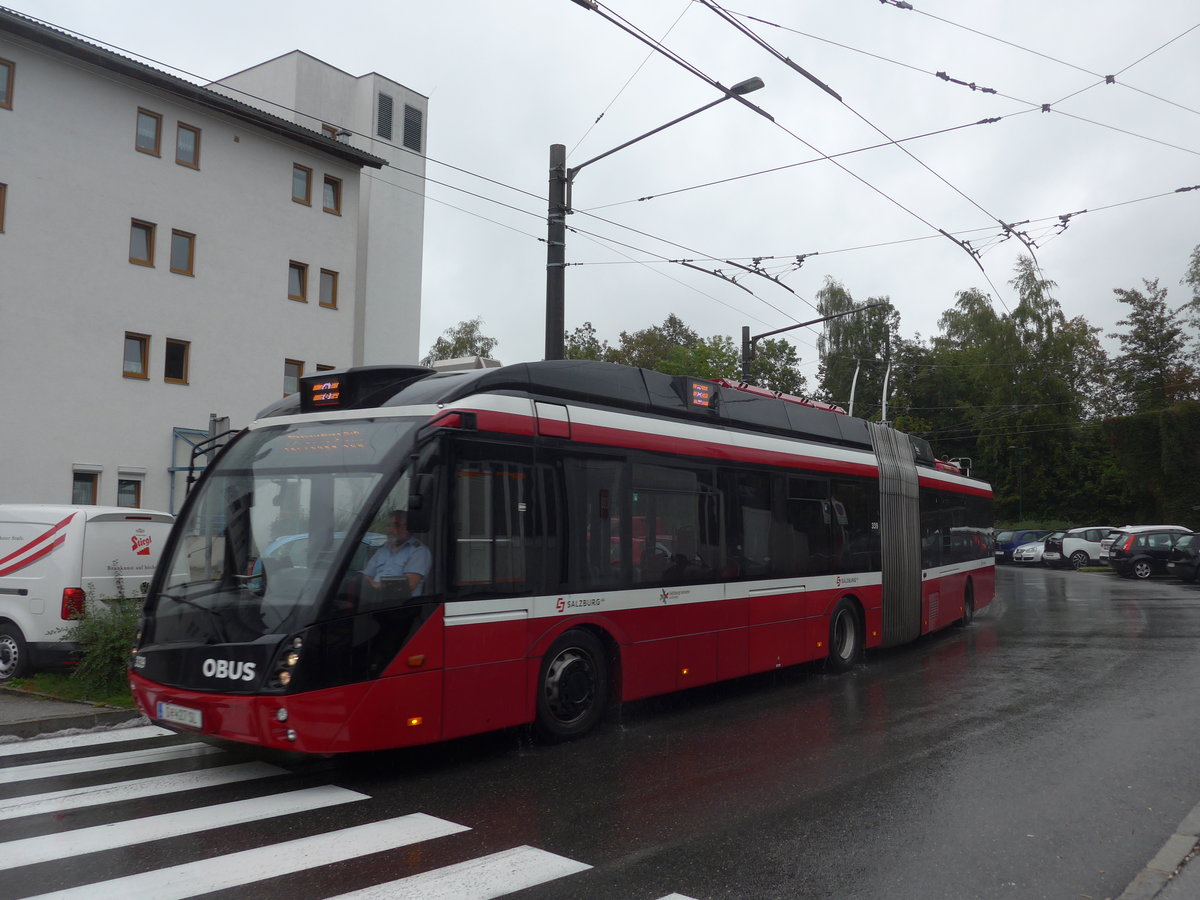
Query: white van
point(53, 558)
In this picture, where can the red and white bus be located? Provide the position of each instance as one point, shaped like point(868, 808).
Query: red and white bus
point(597, 534)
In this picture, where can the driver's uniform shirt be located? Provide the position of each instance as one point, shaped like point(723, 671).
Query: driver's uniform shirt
point(410, 558)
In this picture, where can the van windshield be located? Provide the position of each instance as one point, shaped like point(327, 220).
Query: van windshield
point(275, 520)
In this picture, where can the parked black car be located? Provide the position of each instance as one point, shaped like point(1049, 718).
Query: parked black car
point(1184, 561)
point(1143, 553)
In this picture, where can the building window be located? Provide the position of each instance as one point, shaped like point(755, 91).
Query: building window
point(329, 288)
point(187, 146)
point(302, 185)
point(323, 368)
point(137, 355)
point(7, 70)
point(175, 364)
point(183, 252)
point(293, 369)
point(332, 196)
point(149, 132)
point(413, 119)
point(141, 242)
point(129, 493)
point(298, 281)
point(3, 198)
point(83, 488)
point(383, 117)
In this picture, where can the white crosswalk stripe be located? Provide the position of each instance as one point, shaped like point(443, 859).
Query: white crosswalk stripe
point(492, 875)
point(84, 739)
point(153, 828)
point(476, 879)
point(30, 771)
point(156, 786)
point(235, 869)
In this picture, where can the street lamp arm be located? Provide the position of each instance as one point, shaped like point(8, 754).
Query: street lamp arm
point(735, 92)
point(847, 312)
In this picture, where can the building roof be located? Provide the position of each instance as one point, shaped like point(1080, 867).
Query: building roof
point(17, 25)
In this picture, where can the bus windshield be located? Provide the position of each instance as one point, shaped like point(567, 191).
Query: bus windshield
point(277, 517)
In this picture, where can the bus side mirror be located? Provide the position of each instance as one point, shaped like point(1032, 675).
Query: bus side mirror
point(420, 503)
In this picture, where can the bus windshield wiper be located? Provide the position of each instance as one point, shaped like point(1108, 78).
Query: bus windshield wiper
point(214, 616)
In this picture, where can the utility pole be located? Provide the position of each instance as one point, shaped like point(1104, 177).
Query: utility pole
point(556, 252)
point(748, 342)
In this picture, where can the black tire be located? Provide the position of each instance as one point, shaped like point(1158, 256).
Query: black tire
point(14, 655)
point(573, 687)
point(968, 606)
point(845, 636)
point(1142, 569)
point(1079, 559)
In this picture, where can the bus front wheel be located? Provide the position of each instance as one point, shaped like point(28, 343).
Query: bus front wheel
point(572, 687)
point(845, 636)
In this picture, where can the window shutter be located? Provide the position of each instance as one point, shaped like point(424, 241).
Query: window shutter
point(383, 121)
point(412, 128)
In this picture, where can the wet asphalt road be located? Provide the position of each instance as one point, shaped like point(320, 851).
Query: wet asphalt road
point(1046, 751)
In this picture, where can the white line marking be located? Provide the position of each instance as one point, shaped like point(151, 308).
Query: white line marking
point(30, 771)
point(476, 879)
point(69, 844)
point(89, 739)
point(248, 866)
point(78, 798)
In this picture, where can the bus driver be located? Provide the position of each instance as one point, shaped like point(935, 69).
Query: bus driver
point(402, 555)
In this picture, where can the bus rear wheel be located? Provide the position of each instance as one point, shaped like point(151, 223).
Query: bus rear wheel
point(845, 636)
point(968, 607)
point(573, 687)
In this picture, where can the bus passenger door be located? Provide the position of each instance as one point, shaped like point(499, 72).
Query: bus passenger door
point(488, 581)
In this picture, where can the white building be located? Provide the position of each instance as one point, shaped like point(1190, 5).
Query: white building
point(170, 252)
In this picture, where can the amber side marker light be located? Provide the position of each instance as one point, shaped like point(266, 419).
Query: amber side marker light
point(416, 661)
point(416, 720)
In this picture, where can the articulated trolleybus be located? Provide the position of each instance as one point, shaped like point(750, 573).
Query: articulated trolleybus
point(592, 534)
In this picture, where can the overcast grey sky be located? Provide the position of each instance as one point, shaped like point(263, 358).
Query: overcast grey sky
point(507, 79)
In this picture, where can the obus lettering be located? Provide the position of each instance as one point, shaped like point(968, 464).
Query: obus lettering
point(224, 668)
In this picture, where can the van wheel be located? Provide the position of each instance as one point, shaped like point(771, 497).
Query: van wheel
point(572, 687)
point(14, 660)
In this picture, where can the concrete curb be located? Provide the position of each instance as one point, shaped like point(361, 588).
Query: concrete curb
point(1168, 875)
point(34, 714)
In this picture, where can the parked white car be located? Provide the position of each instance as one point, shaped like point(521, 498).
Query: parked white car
point(1029, 554)
point(1079, 547)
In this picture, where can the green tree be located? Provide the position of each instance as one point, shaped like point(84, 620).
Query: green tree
point(1153, 369)
point(855, 350)
point(582, 343)
point(776, 366)
point(464, 339)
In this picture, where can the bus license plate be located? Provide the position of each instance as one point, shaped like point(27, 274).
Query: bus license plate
point(180, 715)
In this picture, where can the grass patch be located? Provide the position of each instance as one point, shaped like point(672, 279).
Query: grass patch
point(62, 686)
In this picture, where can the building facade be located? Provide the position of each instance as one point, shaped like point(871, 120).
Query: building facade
point(173, 256)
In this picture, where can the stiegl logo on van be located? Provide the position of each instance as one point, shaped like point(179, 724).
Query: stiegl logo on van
point(234, 670)
point(140, 543)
